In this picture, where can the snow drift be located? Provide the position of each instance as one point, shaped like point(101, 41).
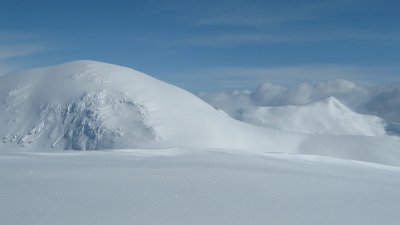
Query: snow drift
point(91, 105)
point(182, 186)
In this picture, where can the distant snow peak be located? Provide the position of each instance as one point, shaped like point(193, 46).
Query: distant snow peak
point(328, 116)
point(333, 101)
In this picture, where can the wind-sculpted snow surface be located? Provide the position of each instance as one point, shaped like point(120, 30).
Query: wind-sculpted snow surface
point(194, 186)
point(86, 105)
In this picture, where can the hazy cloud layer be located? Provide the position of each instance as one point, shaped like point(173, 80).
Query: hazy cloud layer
point(14, 47)
point(382, 101)
point(385, 103)
point(249, 77)
point(256, 13)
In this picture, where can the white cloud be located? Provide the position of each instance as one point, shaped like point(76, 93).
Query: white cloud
point(294, 74)
point(246, 22)
point(18, 50)
point(232, 39)
point(16, 46)
point(253, 13)
point(269, 94)
point(385, 102)
point(382, 100)
point(290, 37)
point(229, 100)
point(8, 67)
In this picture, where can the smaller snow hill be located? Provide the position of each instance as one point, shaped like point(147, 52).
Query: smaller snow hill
point(328, 116)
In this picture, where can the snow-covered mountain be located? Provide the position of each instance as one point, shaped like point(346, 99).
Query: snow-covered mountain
point(328, 116)
point(93, 105)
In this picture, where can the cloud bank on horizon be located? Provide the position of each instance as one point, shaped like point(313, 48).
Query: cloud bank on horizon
point(380, 100)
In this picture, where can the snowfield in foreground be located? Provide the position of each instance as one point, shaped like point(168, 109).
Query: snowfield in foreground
point(192, 164)
point(194, 186)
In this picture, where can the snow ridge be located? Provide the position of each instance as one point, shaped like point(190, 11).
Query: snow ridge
point(328, 116)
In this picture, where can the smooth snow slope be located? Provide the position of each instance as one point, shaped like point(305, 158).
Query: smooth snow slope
point(93, 105)
point(180, 187)
point(327, 116)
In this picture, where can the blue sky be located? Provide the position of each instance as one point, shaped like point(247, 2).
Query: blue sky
point(210, 45)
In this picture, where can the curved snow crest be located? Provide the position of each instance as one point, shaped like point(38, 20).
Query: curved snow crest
point(91, 105)
point(328, 116)
point(71, 106)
